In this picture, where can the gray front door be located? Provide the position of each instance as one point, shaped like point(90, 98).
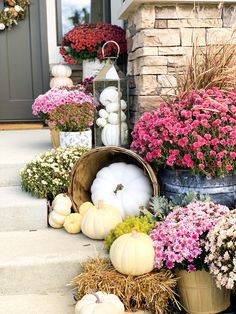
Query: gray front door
point(23, 64)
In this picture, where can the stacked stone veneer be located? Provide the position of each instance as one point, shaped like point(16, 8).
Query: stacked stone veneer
point(160, 39)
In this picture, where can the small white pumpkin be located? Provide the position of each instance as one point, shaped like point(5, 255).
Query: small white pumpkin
point(72, 223)
point(61, 207)
point(61, 81)
point(112, 107)
point(110, 134)
point(108, 95)
point(123, 185)
point(123, 104)
point(99, 219)
point(113, 118)
point(52, 223)
point(133, 254)
point(61, 70)
point(62, 204)
point(103, 113)
point(123, 116)
point(101, 122)
point(99, 303)
point(84, 207)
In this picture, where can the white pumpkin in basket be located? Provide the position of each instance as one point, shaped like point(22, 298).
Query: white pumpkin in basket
point(99, 219)
point(99, 303)
point(123, 185)
point(133, 254)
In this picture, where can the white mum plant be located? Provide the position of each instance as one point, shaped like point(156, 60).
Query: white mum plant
point(49, 174)
point(221, 251)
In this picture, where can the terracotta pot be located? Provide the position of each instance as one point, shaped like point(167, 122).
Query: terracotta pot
point(199, 294)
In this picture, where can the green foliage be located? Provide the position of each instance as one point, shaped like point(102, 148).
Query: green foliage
point(141, 224)
point(49, 174)
point(161, 206)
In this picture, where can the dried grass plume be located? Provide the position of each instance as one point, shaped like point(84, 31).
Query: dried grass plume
point(213, 65)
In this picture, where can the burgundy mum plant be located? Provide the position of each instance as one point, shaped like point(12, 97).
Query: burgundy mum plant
point(86, 40)
point(197, 131)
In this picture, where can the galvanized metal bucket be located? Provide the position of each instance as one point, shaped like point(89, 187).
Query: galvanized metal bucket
point(222, 190)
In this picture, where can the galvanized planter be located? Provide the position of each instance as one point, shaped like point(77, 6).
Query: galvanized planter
point(222, 190)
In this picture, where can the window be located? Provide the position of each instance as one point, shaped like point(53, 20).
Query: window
point(75, 12)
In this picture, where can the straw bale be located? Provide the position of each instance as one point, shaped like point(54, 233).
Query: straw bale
point(149, 292)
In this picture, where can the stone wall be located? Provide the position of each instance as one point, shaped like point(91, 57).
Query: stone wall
point(160, 38)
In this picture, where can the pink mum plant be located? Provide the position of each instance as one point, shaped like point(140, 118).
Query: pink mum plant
point(197, 131)
point(180, 239)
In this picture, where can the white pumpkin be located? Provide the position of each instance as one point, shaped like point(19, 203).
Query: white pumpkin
point(61, 70)
point(112, 107)
point(99, 219)
point(108, 95)
point(123, 185)
point(61, 207)
point(84, 207)
point(133, 254)
point(62, 204)
point(61, 81)
point(101, 122)
point(123, 104)
point(99, 303)
point(103, 113)
point(72, 223)
point(52, 223)
point(110, 134)
point(113, 118)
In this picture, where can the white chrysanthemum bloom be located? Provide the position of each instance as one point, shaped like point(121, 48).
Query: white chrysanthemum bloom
point(18, 8)
point(2, 26)
point(6, 9)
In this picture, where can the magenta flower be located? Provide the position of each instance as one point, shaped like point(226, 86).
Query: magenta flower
point(199, 125)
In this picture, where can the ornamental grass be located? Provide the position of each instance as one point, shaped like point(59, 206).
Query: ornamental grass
point(208, 67)
point(149, 292)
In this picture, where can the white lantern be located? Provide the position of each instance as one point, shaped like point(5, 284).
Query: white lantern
point(110, 91)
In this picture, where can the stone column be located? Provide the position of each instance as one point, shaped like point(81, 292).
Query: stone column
point(160, 36)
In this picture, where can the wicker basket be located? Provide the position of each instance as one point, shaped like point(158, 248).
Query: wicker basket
point(86, 168)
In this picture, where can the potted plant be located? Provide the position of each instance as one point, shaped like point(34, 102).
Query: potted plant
point(57, 96)
point(220, 250)
point(84, 43)
point(179, 243)
point(192, 142)
point(74, 121)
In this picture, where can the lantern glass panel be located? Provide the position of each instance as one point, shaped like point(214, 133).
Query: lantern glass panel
point(111, 97)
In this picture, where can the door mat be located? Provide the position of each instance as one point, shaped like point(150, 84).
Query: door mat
point(20, 126)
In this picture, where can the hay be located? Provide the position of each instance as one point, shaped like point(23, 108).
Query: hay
point(151, 291)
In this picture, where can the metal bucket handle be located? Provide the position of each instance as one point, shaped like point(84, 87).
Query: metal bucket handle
point(118, 49)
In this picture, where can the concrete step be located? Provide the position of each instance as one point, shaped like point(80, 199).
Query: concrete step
point(20, 211)
point(52, 303)
point(44, 260)
point(18, 148)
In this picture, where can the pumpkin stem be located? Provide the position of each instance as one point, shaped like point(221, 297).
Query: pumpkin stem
point(100, 204)
point(97, 297)
point(119, 188)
